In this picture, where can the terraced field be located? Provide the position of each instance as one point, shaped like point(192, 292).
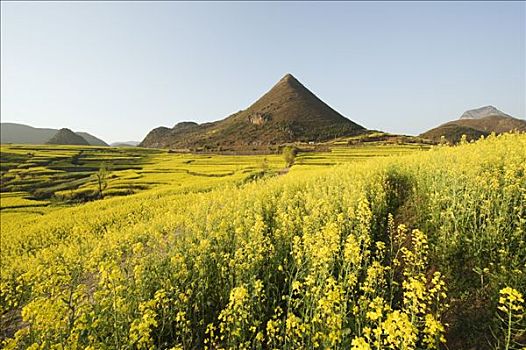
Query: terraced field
point(44, 176)
point(47, 176)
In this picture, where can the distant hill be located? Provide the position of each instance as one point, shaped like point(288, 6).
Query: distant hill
point(474, 124)
point(453, 133)
point(125, 144)
point(25, 134)
point(92, 140)
point(19, 133)
point(67, 137)
point(289, 112)
point(483, 112)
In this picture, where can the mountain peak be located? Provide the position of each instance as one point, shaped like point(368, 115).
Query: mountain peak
point(288, 112)
point(288, 77)
point(288, 80)
point(67, 137)
point(483, 112)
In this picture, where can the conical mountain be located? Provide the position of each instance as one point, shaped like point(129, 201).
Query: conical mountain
point(67, 137)
point(288, 112)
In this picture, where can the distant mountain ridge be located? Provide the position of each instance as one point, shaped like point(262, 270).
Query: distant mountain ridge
point(25, 134)
point(288, 112)
point(474, 124)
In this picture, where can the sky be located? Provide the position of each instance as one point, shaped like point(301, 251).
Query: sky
point(119, 69)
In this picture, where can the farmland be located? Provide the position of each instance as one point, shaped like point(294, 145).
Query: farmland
point(51, 176)
point(364, 247)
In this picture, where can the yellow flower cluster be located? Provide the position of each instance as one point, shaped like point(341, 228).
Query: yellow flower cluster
point(510, 300)
point(292, 262)
point(513, 322)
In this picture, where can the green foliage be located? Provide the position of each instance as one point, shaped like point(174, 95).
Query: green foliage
point(264, 165)
point(102, 179)
point(289, 155)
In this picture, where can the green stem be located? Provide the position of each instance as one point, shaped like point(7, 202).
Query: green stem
point(508, 337)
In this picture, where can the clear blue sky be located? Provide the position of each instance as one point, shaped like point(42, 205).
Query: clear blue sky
point(119, 69)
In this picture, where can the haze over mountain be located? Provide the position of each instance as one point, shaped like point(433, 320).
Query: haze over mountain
point(25, 134)
point(67, 137)
point(289, 112)
point(125, 144)
point(474, 124)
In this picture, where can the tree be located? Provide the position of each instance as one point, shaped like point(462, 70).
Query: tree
point(289, 154)
point(264, 165)
point(102, 179)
